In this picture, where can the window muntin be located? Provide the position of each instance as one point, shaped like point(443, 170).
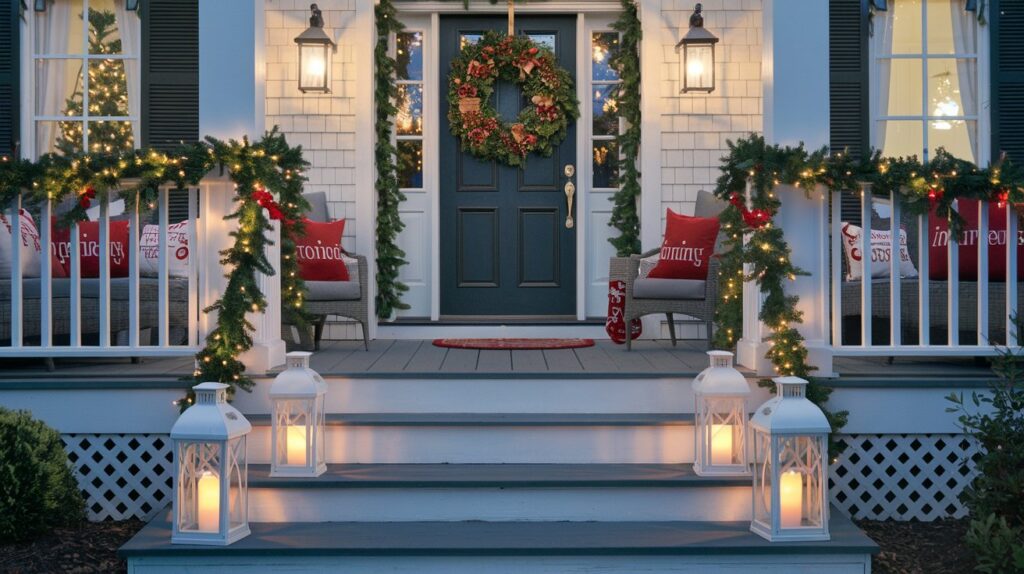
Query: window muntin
point(926, 77)
point(86, 77)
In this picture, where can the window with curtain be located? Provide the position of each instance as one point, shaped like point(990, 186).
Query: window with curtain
point(925, 76)
point(86, 76)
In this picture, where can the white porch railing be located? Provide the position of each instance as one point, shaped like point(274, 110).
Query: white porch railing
point(894, 315)
point(146, 312)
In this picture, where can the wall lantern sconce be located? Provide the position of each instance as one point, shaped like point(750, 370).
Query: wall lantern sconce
point(720, 392)
point(210, 482)
point(297, 428)
point(315, 48)
point(697, 56)
point(790, 481)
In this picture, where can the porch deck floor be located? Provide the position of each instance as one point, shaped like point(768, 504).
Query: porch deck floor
point(420, 358)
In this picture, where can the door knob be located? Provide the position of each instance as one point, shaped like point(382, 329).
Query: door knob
point(570, 170)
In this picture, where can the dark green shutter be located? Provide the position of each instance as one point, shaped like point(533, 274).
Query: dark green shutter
point(848, 86)
point(10, 118)
point(1007, 40)
point(170, 82)
point(170, 72)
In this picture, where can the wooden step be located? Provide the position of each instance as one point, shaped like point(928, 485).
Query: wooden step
point(467, 438)
point(497, 492)
point(503, 547)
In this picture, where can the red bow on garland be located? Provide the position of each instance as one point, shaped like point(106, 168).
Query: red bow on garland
point(265, 200)
point(754, 218)
point(85, 200)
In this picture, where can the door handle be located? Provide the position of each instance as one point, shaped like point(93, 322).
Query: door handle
point(570, 192)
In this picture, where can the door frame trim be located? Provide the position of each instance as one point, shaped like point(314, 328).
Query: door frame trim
point(427, 16)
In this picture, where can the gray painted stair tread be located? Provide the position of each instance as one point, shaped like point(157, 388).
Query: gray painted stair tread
point(500, 539)
point(497, 476)
point(496, 419)
point(397, 356)
point(494, 361)
point(562, 360)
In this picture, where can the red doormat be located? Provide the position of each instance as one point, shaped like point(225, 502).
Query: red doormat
point(513, 344)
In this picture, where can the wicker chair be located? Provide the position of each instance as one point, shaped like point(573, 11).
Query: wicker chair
point(626, 269)
point(324, 299)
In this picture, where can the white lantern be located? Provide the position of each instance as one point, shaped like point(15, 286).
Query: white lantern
point(315, 48)
point(297, 428)
point(210, 487)
point(720, 411)
point(697, 56)
point(790, 444)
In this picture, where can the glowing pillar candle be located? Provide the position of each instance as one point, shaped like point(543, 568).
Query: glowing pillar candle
point(721, 444)
point(208, 500)
point(791, 496)
point(296, 445)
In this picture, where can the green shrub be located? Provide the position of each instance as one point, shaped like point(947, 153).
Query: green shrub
point(996, 496)
point(37, 488)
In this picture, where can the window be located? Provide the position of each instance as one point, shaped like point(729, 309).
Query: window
point(409, 119)
point(86, 76)
point(926, 79)
point(605, 109)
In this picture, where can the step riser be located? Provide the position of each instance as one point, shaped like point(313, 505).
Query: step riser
point(498, 504)
point(496, 444)
point(567, 395)
point(785, 564)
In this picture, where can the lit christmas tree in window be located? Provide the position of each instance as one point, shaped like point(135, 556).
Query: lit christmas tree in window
point(107, 94)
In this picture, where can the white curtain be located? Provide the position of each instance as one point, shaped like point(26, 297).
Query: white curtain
point(129, 27)
point(965, 32)
point(882, 46)
point(51, 78)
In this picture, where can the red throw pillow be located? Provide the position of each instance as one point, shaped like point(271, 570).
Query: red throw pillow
point(319, 252)
point(89, 248)
point(938, 244)
point(688, 246)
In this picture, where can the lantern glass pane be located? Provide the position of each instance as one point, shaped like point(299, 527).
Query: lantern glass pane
point(763, 478)
point(800, 487)
point(293, 432)
point(724, 430)
point(313, 66)
point(700, 67)
point(237, 487)
point(199, 475)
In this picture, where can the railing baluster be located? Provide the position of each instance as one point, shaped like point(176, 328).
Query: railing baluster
point(865, 251)
point(983, 225)
point(953, 282)
point(923, 293)
point(75, 287)
point(895, 277)
point(1011, 276)
point(837, 268)
point(45, 275)
point(193, 279)
point(134, 260)
point(14, 218)
point(104, 278)
point(162, 310)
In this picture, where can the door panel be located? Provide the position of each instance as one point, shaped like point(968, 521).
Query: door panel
point(505, 249)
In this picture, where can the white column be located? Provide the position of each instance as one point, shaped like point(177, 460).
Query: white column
point(796, 110)
point(751, 350)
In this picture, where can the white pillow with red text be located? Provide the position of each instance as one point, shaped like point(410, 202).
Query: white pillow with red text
point(29, 246)
point(177, 250)
point(880, 253)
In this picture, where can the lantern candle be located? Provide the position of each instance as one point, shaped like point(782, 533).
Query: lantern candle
point(721, 444)
point(208, 499)
point(296, 445)
point(791, 495)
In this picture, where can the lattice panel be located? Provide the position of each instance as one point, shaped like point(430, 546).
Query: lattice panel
point(903, 477)
point(122, 475)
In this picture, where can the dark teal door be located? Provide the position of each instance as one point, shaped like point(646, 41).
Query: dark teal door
point(505, 247)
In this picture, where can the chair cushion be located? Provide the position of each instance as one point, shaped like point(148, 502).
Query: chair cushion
point(651, 288)
point(317, 206)
point(332, 290)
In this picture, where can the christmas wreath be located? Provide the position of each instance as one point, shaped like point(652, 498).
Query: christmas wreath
point(548, 88)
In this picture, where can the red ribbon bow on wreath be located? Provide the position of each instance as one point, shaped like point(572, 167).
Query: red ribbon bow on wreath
point(754, 218)
point(265, 200)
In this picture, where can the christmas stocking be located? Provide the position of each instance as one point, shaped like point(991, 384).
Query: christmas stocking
point(615, 324)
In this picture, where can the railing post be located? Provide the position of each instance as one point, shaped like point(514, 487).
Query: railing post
point(268, 348)
point(751, 349)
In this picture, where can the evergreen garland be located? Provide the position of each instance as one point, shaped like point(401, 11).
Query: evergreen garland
point(268, 180)
point(624, 216)
point(390, 257)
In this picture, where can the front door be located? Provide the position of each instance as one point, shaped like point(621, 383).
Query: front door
point(505, 247)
